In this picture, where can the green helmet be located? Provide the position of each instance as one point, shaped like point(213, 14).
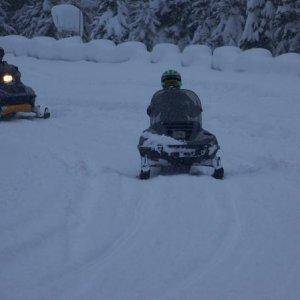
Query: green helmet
point(171, 78)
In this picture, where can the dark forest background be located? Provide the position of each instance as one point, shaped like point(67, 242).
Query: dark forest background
point(270, 24)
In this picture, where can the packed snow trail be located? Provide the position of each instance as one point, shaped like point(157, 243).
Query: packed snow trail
point(75, 223)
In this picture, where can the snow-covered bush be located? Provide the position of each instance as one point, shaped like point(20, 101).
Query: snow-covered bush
point(134, 51)
point(224, 58)
point(99, 50)
point(227, 58)
point(254, 60)
point(199, 55)
point(288, 63)
point(43, 48)
point(70, 49)
point(15, 44)
point(165, 52)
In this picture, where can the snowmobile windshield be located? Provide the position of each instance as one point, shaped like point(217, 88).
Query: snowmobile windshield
point(175, 105)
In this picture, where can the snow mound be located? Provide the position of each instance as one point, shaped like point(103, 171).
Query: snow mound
point(288, 63)
point(196, 55)
point(225, 57)
point(70, 49)
point(43, 48)
point(67, 17)
point(133, 51)
point(15, 44)
point(166, 53)
point(99, 50)
point(254, 60)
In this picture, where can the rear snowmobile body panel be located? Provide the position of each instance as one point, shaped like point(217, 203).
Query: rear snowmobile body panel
point(177, 152)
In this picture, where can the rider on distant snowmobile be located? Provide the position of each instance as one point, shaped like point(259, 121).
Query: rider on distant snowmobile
point(1, 56)
point(15, 97)
point(175, 134)
point(4, 66)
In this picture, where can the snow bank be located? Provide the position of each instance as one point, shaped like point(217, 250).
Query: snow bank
point(288, 63)
point(197, 55)
point(43, 48)
point(70, 49)
point(15, 44)
point(224, 58)
point(166, 53)
point(99, 50)
point(254, 60)
point(227, 58)
point(133, 51)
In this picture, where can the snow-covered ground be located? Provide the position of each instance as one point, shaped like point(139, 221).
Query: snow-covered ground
point(75, 223)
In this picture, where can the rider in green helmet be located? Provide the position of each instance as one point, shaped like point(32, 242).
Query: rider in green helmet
point(171, 79)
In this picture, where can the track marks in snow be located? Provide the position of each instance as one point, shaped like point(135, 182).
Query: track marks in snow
point(166, 230)
point(91, 230)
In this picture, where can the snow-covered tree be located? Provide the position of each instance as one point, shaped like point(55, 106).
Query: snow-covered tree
point(267, 25)
point(174, 19)
point(34, 19)
point(5, 27)
point(272, 24)
point(144, 23)
point(258, 31)
point(110, 21)
point(230, 21)
point(287, 27)
point(201, 22)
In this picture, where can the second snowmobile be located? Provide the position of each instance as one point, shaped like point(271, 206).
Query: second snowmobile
point(17, 99)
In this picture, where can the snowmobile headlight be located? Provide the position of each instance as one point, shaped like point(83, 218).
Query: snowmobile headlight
point(7, 79)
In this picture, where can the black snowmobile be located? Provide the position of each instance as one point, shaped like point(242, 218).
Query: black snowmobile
point(176, 139)
point(16, 99)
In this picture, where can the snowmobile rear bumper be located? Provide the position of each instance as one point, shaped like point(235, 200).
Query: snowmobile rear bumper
point(179, 155)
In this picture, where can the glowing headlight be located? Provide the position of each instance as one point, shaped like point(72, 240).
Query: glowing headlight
point(7, 78)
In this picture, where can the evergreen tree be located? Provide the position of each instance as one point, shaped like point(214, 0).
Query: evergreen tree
point(34, 19)
point(287, 27)
point(271, 24)
point(201, 21)
point(267, 22)
point(5, 28)
point(174, 17)
point(110, 21)
point(230, 19)
point(258, 31)
point(144, 23)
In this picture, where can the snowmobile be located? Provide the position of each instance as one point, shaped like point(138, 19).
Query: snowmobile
point(176, 139)
point(17, 99)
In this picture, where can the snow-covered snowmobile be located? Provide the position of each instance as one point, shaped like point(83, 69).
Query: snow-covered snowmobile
point(17, 99)
point(175, 137)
